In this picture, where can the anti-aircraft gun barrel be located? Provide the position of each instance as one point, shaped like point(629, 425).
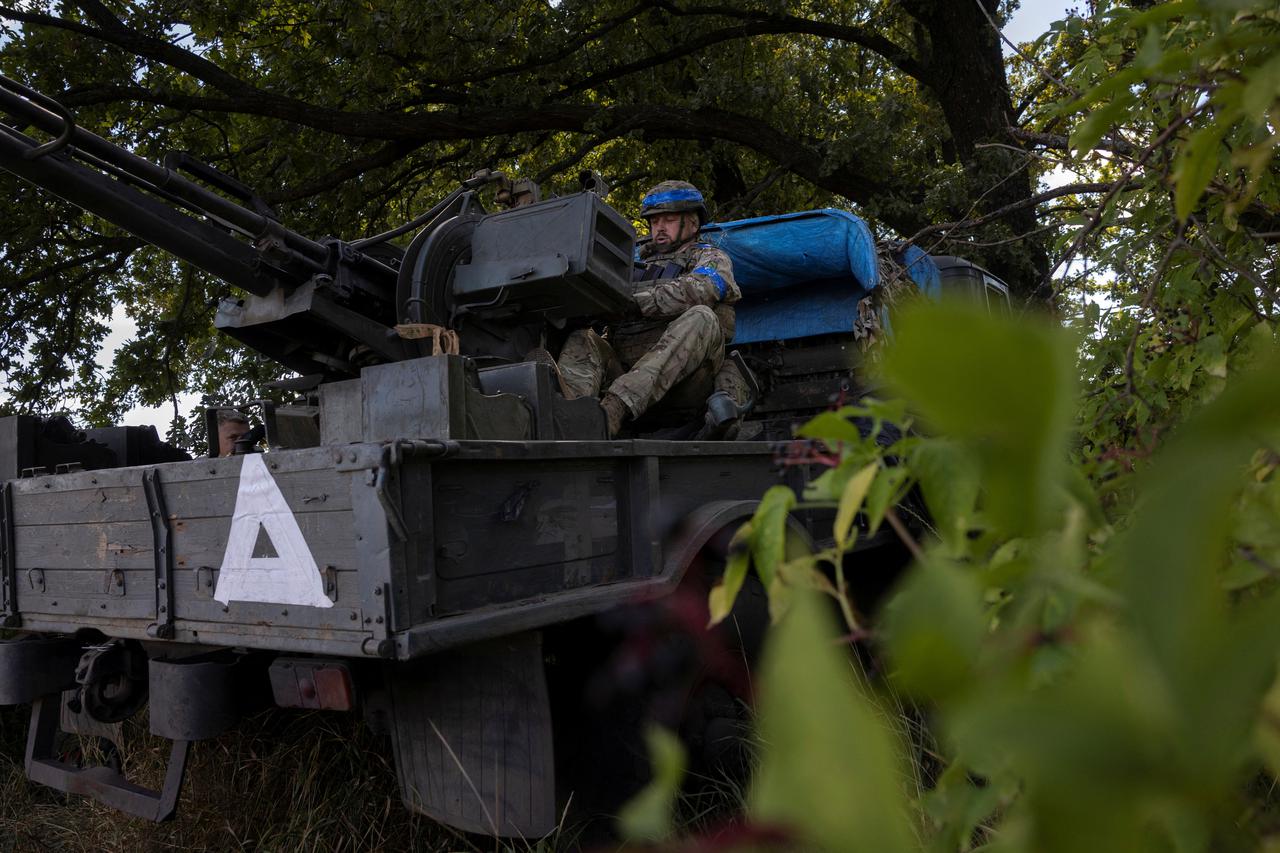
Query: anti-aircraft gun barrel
point(108, 181)
point(315, 306)
point(327, 308)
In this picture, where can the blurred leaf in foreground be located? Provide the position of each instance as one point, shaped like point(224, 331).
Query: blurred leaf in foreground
point(830, 771)
point(1006, 388)
point(647, 817)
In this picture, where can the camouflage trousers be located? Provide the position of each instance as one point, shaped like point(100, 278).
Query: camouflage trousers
point(689, 354)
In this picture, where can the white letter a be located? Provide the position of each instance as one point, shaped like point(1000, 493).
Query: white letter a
point(290, 578)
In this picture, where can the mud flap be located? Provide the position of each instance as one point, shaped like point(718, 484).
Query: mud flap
point(472, 735)
point(191, 699)
point(104, 784)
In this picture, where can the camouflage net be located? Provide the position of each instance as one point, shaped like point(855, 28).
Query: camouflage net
point(896, 288)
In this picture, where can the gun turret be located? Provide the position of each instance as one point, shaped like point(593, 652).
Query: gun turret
point(329, 307)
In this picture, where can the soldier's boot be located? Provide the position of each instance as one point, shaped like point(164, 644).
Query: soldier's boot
point(722, 420)
point(615, 411)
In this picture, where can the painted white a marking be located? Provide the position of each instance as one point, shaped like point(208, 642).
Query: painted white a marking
point(292, 577)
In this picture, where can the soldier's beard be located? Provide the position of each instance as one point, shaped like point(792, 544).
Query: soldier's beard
point(665, 240)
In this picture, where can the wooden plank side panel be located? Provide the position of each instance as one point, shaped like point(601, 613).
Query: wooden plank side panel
point(109, 592)
point(331, 536)
point(345, 616)
point(80, 534)
point(200, 544)
point(302, 640)
point(94, 546)
point(100, 504)
point(304, 491)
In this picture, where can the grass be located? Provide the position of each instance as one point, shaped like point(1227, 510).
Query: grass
point(279, 781)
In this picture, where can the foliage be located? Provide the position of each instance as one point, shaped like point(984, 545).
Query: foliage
point(1092, 622)
point(1174, 111)
point(1093, 685)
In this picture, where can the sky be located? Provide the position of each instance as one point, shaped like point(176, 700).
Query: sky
point(1029, 21)
point(1033, 18)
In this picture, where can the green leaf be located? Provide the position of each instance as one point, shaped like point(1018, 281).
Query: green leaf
point(1004, 388)
point(1115, 85)
point(851, 501)
point(1261, 90)
point(886, 490)
point(1152, 48)
point(883, 411)
point(957, 806)
point(725, 592)
point(769, 531)
point(831, 427)
point(830, 770)
point(1163, 12)
point(1207, 653)
point(948, 474)
point(1197, 163)
point(1088, 749)
point(933, 628)
point(647, 817)
point(803, 572)
point(1097, 123)
point(1267, 733)
point(830, 484)
point(1242, 574)
point(1081, 491)
point(1212, 350)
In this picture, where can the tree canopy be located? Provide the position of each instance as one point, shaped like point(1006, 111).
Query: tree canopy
point(351, 118)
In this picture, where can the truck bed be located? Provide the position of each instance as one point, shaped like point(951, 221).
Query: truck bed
point(406, 547)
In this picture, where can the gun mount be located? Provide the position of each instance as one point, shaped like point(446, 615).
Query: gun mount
point(329, 307)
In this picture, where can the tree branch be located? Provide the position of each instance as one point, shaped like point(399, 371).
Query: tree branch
point(1059, 142)
point(560, 53)
point(899, 57)
point(662, 122)
point(384, 156)
point(1056, 192)
point(112, 246)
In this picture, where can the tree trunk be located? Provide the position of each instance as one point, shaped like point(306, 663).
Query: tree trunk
point(965, 71)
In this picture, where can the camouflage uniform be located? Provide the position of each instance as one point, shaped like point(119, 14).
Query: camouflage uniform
point(685, 301)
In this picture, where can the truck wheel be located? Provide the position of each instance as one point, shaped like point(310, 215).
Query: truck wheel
point(613, 675)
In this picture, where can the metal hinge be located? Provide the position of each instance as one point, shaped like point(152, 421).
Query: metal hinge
point(162, 545)
point(8, 559)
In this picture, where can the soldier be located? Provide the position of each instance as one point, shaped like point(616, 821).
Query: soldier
point(684, 295)
point(232, 426)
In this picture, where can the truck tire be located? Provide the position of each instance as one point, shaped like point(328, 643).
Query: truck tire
point(614, 675)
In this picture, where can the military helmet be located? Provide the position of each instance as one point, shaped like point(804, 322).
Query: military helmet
point(673, 197)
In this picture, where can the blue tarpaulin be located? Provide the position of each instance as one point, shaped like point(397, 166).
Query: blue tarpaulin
point(801, 274)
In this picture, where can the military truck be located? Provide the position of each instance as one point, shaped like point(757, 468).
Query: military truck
point(435, 535)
